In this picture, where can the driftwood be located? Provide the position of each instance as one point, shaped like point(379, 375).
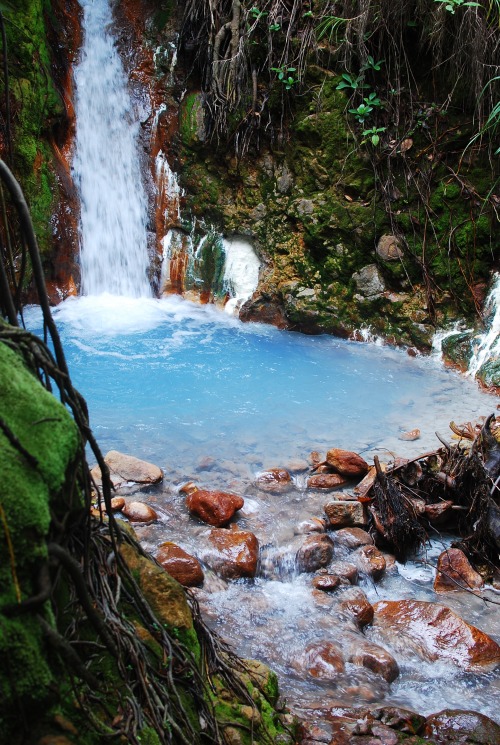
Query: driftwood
point(452, 487)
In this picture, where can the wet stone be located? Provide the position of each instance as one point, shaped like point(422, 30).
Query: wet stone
point(139, 512)
point(452, 727)
point(347, 463)
point(315, 552)
point(352, 537)
point(274, 479)
point(326, 481)
point(345, 513)
point(454, 572)
point(216, 508)
point(344, 570)
point(370, 561)
point(356, 604)
point(183, 567)
point(313, 525)
point(326, 582)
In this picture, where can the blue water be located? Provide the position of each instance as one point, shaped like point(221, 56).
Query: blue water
point(174, 382)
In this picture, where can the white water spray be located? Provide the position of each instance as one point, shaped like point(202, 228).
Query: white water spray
point(241, 274)
point(106, 167)
point(487, 345)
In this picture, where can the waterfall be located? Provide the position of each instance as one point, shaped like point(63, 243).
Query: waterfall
point(487, 345)
point(106, 168)
point(241, 273)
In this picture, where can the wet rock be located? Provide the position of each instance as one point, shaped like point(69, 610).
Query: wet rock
point(313, 525)
point(125, 468)
point(370, 561)
point(439, 513)
point(322, 660)
point(315, 458)
point(403, 720)
point(450, 727)
point(353, 538)
point(235, 553)
point(411, 435)
point(356, 604)
point(388, 248)
point(369, 281)
point(347, 572)
point(373, 657)
point(347, 463)
point(454, 572)
point(315, 552)
point(274, 479)
point(264, 308)
point(344, 513)
point(138, 512)
point(384, 734)
point(435, 632)
point(213, 507)
point(117, 504)
point(326, 481)
point(326, 582)
point(183, 567)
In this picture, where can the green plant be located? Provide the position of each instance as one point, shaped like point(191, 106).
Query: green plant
point(370, 64)
point(285, 77)
point(330, 27)
point(257, 14)
point(452, 5)
point(349, 82)
point(373, 100)
point(362, 112)
point(373, 134)
point(274, 27)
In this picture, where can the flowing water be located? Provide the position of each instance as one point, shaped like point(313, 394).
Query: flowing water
point(215, 401)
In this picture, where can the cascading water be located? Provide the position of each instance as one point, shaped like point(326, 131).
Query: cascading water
point(106, 168)
point(488, 344)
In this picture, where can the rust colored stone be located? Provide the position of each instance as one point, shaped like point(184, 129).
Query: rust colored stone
point(347, 463)
point(183, 567)
point(214, 507)
point(454, 572)
point(326, 481)
point(236, 553)
point(370, 561)
point(315, 552)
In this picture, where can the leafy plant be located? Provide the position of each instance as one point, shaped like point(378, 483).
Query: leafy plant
point(362, 112)
point(373, 100)
point(373, 134)
point(370, 64)
point(349, 82)
point(256, 13)
point(452, 5)
point(274, 27)
point(285, 77)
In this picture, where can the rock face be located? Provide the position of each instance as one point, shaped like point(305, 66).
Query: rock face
point(454, 572)
point(183, 567)
point(235, 553)
point(315, 552)
point(369, 281)
point(125, 468)
point(347, 463)
point(436, 633)
point(213, 507)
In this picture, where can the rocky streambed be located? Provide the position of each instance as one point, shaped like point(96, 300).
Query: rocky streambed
point(297, 571)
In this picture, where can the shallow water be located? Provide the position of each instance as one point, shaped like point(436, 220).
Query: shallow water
point(215, 401)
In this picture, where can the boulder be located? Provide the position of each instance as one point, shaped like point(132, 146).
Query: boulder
point(274, 479)
point(234, 553)
point(322, 660)
point(435, 632)
point(326, 481)
point(347, 463)
point(315, 552)
point(355, 603)
point(326, 582)
point(370, 561)
point(454, 572)
point(353, 538)
point(388, 248)
point(345, 513)
point(183, 567)
point(125, 468)
point(369, 281)
point(452, 727)
point(213, 507)
point(138, 512)
point(364, 653)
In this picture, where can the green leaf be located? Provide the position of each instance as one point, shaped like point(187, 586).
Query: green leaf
point(375, 140)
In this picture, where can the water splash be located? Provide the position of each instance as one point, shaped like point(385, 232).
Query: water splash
point(106, 166)
point(241, 274)
point(487, 345)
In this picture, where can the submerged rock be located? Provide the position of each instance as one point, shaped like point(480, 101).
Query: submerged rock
point(274, 479)
point(322, 660)
point(355, 603)
point(435, 632)
point(315, 552)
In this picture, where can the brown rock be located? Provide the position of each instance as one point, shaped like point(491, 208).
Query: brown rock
point(454, 572)
point(138, 512)
point(370, 561)
point(326, 582)
point(323, 660)
point(451, 727)
point(356, 604)
point(438, 513)
point(413, 434)
point(236, 553)
point(344, 513)
point(374, 657)
point(347, 572)
point(313, 525)
point(315, 552)
point(326, 481)
point(347, 463)
point(353, 537)
point(436, 632)
point(404, 720)
point(274, 479)
point(183, 567)
point(388, 248)
point(213, 507)
point(117, 504)
point(129, 468)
